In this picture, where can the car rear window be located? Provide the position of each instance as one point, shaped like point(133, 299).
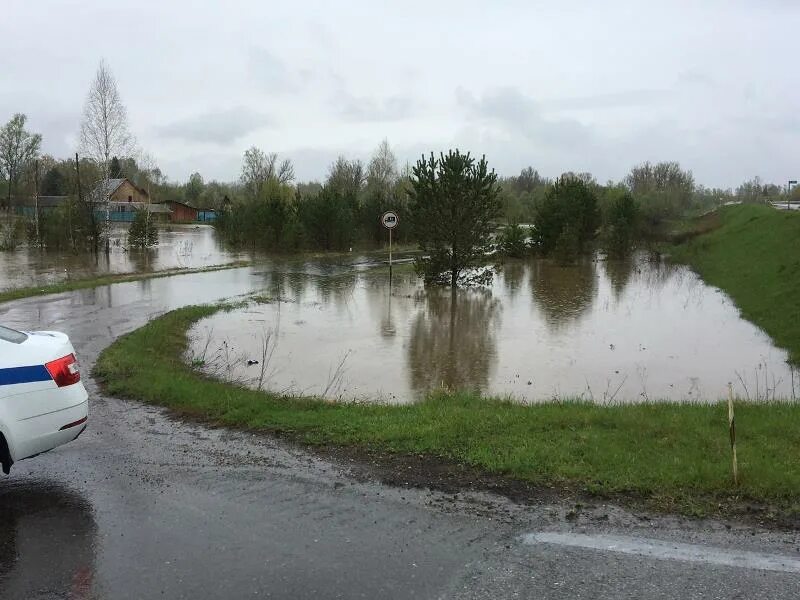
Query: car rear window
point(12, 335)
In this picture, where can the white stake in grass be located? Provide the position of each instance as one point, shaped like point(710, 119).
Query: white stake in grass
point(732, 431)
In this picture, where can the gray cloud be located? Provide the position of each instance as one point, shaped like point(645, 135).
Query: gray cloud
point(273, 74)
point(624, 99)
point(393, 108)
point(556, 85)
point(694, 77)
point(516, 113)
point(216, 127)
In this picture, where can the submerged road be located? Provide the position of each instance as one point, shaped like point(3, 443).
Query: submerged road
point(143, 507)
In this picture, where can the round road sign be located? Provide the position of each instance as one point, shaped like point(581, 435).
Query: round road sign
point(389, 220)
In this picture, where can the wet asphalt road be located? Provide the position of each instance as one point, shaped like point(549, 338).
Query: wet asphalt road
point(143, 507)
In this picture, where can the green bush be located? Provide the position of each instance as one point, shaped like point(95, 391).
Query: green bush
point(12, 232)
point(567, 218)
point(66, 227)
point(328, 219)
point(513, 241)
point(622, 225)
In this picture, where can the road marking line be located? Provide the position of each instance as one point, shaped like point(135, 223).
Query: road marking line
point(661, 550)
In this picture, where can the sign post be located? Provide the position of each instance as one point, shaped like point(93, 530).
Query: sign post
point(789, 193)
point(389, 220)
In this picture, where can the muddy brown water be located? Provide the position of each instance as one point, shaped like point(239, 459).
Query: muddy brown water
point(608, 332)
point(182, 246)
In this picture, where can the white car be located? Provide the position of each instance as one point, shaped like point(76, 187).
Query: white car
point(43, 403)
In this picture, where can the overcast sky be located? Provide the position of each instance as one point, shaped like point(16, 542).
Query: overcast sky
point(561, 85)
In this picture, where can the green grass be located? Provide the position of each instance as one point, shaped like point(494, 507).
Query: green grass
point(91, 282)
point(671, 456)
point(754, 256)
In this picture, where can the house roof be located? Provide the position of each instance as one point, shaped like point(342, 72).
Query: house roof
point(104, 189)
point(108, 187)
point(182, 204)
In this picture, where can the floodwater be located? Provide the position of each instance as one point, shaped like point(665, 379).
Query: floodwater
point(608, 332)
point(182, 246)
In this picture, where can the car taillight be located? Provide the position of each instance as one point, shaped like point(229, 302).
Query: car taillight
point(64, 371)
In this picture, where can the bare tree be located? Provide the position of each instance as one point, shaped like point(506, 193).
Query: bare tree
point(259, 167)
point(346, 176)
point(663, 190)
point(382, 168)
point(17, 148)
point(104, 129)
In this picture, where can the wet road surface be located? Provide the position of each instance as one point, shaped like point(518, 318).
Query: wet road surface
point(141, 506)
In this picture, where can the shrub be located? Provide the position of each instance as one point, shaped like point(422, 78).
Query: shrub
point(567, 217)
point(622, 224)
point(12, 232)
point(513, 241)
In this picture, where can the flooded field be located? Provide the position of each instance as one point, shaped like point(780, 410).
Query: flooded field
point(183, 246)
point(602, 331)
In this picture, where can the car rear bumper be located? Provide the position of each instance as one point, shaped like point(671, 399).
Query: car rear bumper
point(45, 432)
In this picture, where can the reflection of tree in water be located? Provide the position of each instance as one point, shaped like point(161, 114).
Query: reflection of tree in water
point(657, 271)
point(452, 341)
point(286, 286)
point(296, 285)
point(52, 527)
point(563, 293)
point(513, 273)
point(142, 259)
point(389, 303)
point(336, 290)
point(619, 273)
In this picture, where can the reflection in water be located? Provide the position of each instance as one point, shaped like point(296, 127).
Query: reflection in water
point(143, 260)
point(451, 341)
point(619, 273)
point(47, 542)
point(513, 274)
point(563, 293)
point(178, 247)
point(388, 327)
point(337, 290)
point(608, 332)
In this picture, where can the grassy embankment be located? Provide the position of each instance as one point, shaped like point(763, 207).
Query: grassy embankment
point(753, 254)
point(92, 282)
point(670, 456)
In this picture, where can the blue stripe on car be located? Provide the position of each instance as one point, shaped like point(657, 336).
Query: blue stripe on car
point(24, 375)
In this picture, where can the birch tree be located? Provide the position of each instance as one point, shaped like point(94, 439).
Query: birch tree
point(104, 129)
point(259, 167)
point(347, 177)
point(382, 168)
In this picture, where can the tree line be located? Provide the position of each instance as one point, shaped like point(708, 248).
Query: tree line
point(453, 206)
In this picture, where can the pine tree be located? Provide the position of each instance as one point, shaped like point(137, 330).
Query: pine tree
point(453, 202)
point(143, 232)
point(115, 170)
point(53, 183)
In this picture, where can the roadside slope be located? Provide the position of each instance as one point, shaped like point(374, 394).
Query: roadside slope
point(668, 456)
point(754, 256)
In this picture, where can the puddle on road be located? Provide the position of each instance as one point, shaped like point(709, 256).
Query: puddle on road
point(606, 332)
point(48, 542)
point(184, 246)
